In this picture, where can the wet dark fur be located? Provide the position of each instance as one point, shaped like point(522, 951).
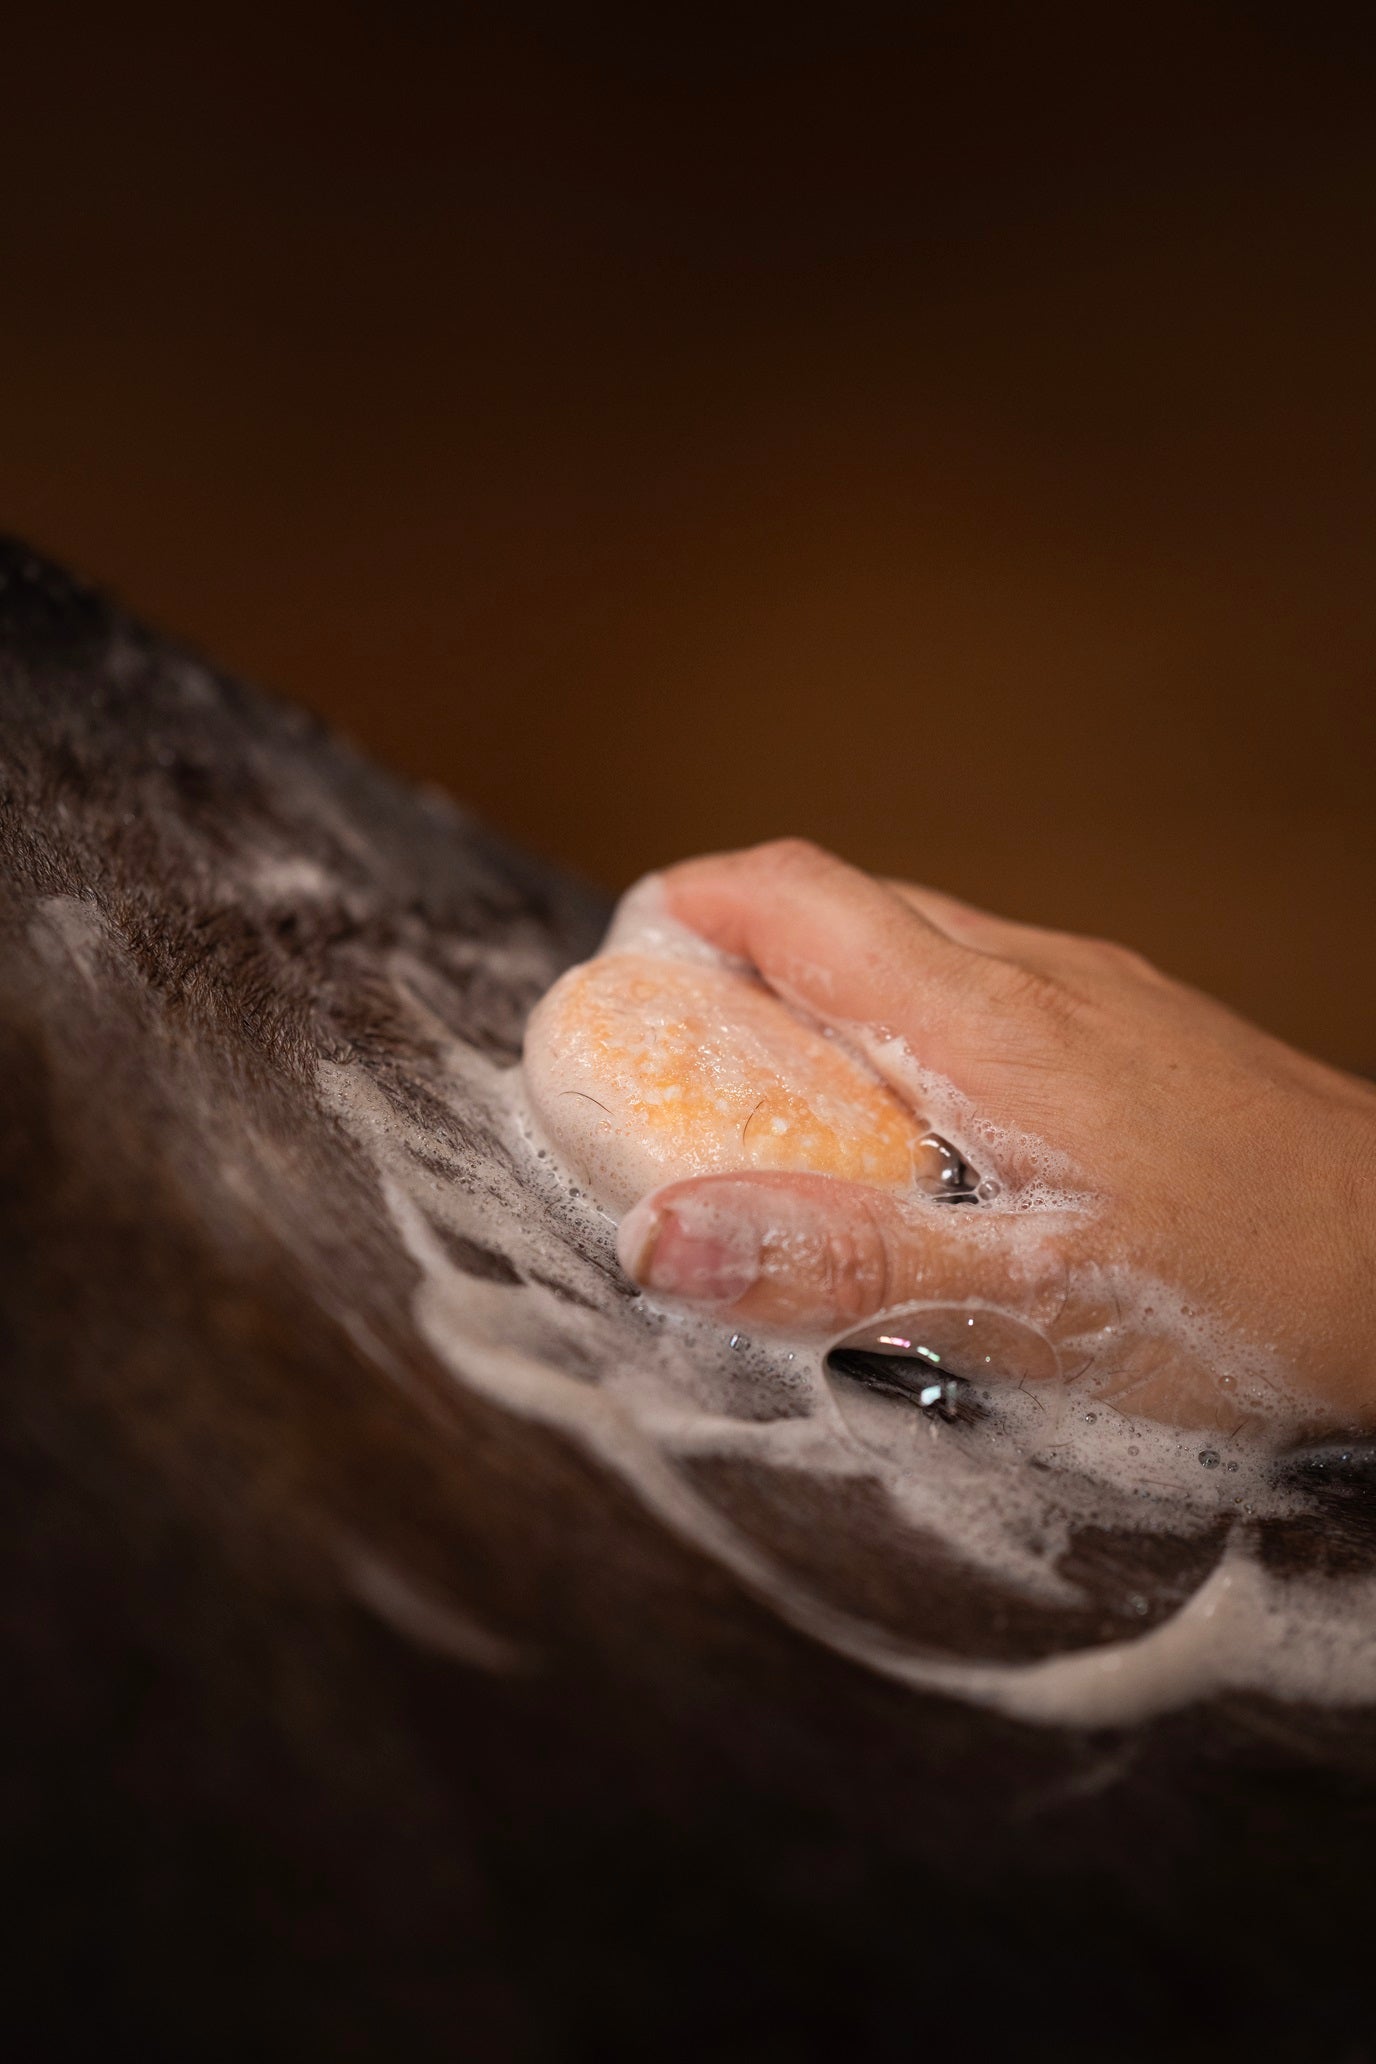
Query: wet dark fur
point(244, 1817)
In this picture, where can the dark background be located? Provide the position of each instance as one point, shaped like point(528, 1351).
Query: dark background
point(943, 431)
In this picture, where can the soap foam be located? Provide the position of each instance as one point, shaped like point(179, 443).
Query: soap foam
point(654, 1394)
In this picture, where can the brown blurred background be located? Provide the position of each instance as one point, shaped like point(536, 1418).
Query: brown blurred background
point(944, 431)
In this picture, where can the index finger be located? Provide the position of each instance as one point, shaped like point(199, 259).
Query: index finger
point(828, 936)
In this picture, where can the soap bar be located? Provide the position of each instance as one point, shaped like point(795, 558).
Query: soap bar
point(644, 1068)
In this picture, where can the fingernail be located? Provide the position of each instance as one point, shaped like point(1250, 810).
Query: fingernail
point(691, 1250)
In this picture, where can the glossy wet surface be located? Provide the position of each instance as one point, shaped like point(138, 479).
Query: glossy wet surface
point(408, 1631)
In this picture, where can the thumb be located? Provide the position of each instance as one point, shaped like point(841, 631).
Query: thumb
point(812, 1255)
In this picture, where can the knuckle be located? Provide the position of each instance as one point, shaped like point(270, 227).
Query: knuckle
point(1109, 953)
point(1031, 992)
point(859, 1264)
point(790, 855)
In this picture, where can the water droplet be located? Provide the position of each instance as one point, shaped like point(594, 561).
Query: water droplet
point(1138, 1603)
point(1209, 1457)
point(1091, 1418)
point(738, 1340)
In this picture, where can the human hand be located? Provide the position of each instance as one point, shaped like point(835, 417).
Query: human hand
point(1186, 1207)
